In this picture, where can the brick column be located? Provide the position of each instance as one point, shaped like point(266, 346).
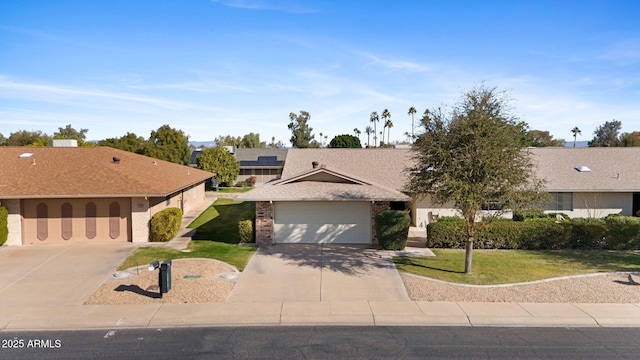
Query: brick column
point(376, 207)
point(264, 223)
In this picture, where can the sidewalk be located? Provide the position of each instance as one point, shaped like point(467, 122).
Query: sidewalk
point(287, 313)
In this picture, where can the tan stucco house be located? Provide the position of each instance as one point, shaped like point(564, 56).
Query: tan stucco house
point(332, 195)
point(90, 194)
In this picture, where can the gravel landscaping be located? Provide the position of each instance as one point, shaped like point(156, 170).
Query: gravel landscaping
point(604, 288)
point(193, 281)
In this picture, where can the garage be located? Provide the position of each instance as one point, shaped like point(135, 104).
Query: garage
point(320, 222)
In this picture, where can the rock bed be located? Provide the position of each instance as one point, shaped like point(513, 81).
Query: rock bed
point(142, 288)
point(607, 288)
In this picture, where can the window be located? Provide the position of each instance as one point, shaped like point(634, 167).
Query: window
point(66, 221)
point(90, 216)
point(561, 201)
point(492, 205)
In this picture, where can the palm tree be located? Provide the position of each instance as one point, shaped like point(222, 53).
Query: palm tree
point(388, 124)
point(357, 132)
point(412, 111)
point(368, 130)
point(321, 143)
point(374, 118)
point(386, 115)
point(575, 132)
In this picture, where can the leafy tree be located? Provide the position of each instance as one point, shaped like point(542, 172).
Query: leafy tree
point(274, 144)
point(221, 162)
point(168, 144)
point(412, 111)
point(228, 141)
point(3, 140)
point(539, 138)
point(606, 134)
point(252, 140)
point(69, 132)
point(576, 131)
point(374, 118)
point(345, 141)
point(630, 139)
point(130, 142)
point(301, 136)
point(24, 137)
point(472, 157)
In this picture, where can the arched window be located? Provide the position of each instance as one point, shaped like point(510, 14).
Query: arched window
point(66, 221)
point(114, 220)
point(90, 220)
point(42, 213)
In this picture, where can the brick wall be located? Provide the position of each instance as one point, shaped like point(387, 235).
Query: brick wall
point(375, 209)
point(264, 223)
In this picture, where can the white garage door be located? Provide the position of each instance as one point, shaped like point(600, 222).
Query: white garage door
point(322, 222)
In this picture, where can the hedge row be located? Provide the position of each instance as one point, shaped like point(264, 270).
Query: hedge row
point(4, 224)
point(165, 224)
point(614, 232)
point(392, 229)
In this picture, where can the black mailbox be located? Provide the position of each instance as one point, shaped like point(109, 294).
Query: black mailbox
point(164, 279)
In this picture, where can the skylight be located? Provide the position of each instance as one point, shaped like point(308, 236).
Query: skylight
point(25, 155)
point(583, 168)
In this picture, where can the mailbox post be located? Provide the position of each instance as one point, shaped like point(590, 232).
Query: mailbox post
point(164, 280)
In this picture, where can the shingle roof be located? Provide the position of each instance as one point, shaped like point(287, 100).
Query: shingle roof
point(371, 174)
point(89, 172)
point(613, 169)
point(252, 154)
point(380, 166)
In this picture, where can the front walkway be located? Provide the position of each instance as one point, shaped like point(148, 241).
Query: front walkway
point(319, 273)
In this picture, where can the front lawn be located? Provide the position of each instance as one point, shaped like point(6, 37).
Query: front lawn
point(220, 221)
point(492, 267)
point(233, 190)
point(235, 255)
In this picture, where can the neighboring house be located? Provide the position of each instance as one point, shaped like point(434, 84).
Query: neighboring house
point(336, 201)
point(329, 196)
point(88, 194)
point(264, 163)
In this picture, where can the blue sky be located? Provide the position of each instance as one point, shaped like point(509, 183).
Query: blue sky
point(230, 67)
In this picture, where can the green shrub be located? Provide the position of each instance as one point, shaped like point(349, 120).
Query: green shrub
point(446, 233)
point(587, 233)
point(522, 215)
point(4, 224)
point(392, 228)
point(623, 232)
point(245, 229)
point(165, 224)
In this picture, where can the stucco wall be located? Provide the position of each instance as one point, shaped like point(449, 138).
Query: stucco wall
point(599, 205)
point(140, 216)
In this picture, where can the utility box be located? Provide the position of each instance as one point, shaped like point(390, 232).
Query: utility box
point(164, 279)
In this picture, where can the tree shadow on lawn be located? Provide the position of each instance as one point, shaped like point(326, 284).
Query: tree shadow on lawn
point(224, 227)
point(603, 260)
point(409, 262)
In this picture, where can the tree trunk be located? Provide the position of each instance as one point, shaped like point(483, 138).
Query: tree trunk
point(468, 256)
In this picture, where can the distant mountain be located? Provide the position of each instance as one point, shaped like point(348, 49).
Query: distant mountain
point(202, 143)
point(579, 144)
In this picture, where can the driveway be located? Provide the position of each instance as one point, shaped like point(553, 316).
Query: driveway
point(319, 273)
point(56, 274)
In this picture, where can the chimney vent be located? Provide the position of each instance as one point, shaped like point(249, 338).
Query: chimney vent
point(116, 160)
point(315, 164)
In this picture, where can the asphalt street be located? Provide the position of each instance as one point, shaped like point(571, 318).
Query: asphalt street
point(333, 342)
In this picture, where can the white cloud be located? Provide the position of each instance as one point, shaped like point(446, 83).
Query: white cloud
point(289, 6)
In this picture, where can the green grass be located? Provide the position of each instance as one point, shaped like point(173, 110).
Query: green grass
point(233, 189)
point(220, 221)
point(492, 267)
point(235, 255)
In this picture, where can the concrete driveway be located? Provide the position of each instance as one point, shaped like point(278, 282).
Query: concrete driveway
point(56, 274)
point(319, 273)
